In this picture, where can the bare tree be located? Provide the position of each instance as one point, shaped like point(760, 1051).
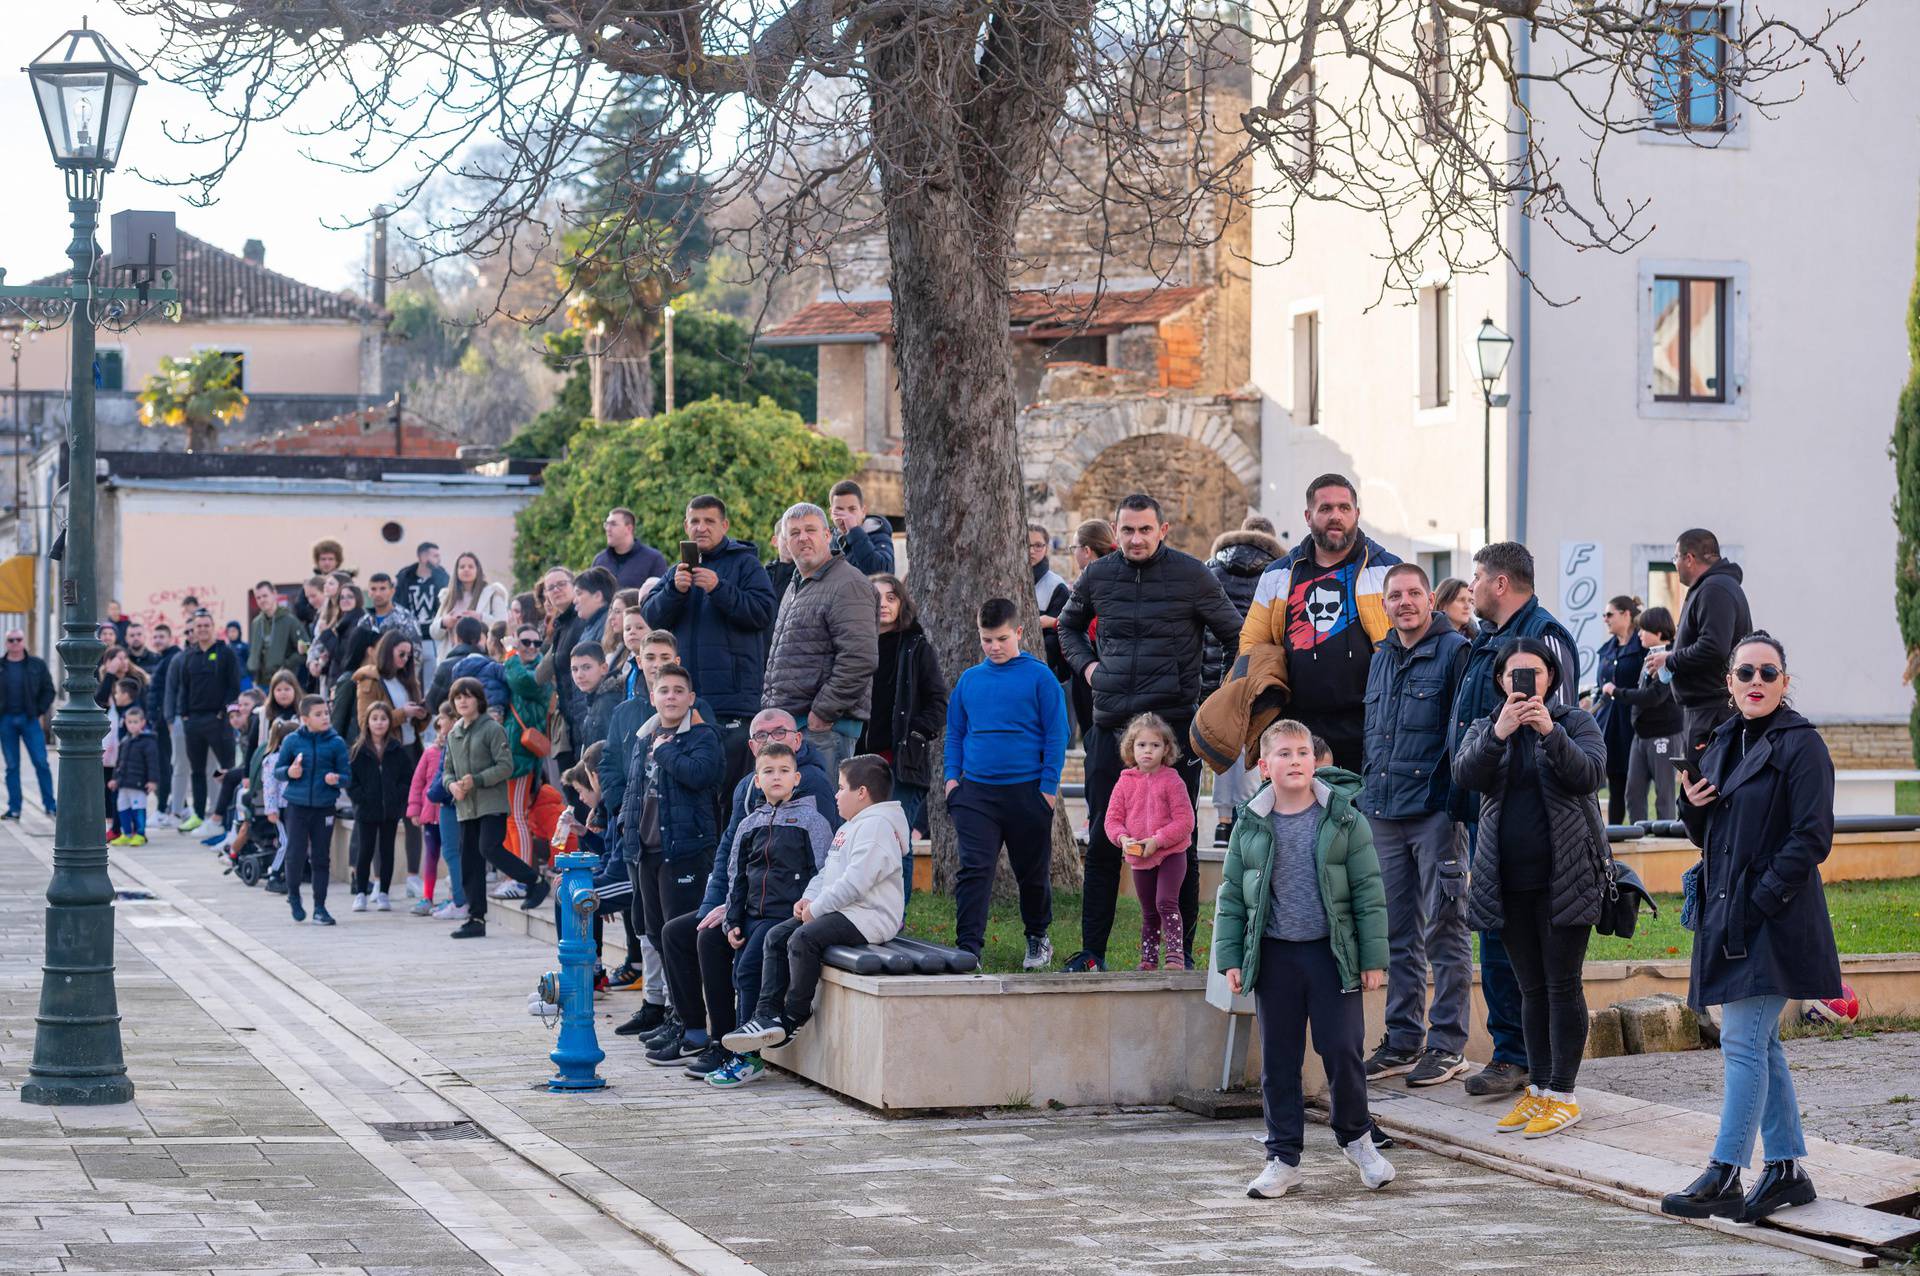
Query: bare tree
point(943, 120)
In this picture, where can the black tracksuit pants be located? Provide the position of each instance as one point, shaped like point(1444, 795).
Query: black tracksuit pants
point(1299, 984)
point(790, 964)
point(483, 841)
point(204, 732)
point(985, 816)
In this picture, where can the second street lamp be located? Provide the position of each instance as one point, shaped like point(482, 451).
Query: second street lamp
point(84, 89)
point(1491, 349)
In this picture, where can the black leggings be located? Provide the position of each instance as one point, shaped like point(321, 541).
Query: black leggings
point(206, 733)
point(1547, 961)
point(483, 842)
point(373, 837)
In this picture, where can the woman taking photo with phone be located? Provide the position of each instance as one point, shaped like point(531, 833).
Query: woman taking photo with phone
point(1761, 811)
point(1538, 866)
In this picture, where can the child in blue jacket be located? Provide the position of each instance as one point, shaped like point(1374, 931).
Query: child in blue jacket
point(313, 764)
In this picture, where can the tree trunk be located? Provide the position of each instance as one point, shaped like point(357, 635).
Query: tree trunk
point(949, 232)
point(622, 377)
point(201, 435)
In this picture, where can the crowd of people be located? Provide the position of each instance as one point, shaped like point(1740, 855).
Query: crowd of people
point(1400, 766)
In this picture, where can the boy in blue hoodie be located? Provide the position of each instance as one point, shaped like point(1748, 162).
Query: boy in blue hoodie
point(313, 765)
point(1006, 742)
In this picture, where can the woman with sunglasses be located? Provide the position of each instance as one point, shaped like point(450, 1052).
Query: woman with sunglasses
point(1761, 811)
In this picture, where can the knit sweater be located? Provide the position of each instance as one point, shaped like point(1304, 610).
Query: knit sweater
point(1150, 804)
point(1007, 724)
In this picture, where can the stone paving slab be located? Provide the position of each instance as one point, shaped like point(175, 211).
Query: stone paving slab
point(225, 1163)
point(798, 1182)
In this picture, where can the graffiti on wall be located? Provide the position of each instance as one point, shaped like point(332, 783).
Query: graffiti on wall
point(168, 605)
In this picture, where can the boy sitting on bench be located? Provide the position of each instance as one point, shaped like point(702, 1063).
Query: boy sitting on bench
point(857, 897)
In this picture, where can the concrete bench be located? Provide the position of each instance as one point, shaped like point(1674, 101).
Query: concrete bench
point(1867, 792)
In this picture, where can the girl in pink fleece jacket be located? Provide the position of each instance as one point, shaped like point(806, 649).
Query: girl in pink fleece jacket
point(1150, 819)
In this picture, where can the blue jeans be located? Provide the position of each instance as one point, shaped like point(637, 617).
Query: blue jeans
point(450, 852)
point(912, 799)
point(1499, 986)
point(1760, 1096)
point(15, 727)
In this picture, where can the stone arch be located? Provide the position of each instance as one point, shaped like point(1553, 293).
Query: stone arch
point(1191, 453)
point(1199, 492)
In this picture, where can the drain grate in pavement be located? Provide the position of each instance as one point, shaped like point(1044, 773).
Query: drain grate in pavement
point(426, 1131)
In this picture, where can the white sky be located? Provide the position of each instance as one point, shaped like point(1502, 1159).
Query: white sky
point(274, 193)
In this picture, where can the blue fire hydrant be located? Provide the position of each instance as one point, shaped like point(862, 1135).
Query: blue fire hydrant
point(577, 1054)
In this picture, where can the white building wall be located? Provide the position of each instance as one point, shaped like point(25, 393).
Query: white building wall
point(1816, 210)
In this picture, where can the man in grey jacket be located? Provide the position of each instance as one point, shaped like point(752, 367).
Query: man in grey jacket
point(826, 640)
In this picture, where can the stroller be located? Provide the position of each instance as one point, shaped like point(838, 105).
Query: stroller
point(249, 861)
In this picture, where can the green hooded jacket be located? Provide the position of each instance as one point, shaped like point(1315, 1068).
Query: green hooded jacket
point(530, 701)
point(1349, 873)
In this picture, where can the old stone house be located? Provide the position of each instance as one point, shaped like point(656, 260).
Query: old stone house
point(1130, 350)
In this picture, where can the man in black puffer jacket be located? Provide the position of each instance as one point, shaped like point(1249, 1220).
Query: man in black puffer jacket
point(1155, 606)
point(1714, 617)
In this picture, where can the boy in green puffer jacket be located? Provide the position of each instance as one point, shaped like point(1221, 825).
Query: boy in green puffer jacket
point(1303, 922)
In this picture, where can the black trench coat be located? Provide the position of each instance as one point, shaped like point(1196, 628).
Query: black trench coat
point(1764, 929)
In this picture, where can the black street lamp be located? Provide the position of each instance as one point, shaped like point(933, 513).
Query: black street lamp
point(1491, 349)
point(84, 89)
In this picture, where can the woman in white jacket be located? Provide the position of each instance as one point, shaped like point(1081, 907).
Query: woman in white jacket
point(470, 594)
point(856, 898)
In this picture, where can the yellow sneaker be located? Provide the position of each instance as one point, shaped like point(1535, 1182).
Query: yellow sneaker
point(1526, 1110)
point(1554, 1115)
point(122, 840)
point(138, 839)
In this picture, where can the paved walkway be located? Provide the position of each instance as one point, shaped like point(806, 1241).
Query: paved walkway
point(1862, 1090)
point(243, 1026)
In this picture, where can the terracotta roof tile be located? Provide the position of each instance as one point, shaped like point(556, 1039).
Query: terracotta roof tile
point(364, 432)
point(1033, 311)
point(217, 284)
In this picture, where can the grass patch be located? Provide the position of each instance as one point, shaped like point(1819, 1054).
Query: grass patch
point(1868, 917)
point(1906, 797)
point(930, 917)
point(1867, 1025)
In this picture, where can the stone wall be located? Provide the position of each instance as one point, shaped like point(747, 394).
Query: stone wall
point(1869, 746)
point(1198, 454)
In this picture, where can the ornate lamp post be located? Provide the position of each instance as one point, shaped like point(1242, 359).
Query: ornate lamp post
point(1491, 349)
point(84, 89)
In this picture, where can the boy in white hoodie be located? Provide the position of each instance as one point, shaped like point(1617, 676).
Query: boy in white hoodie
point(856, 898)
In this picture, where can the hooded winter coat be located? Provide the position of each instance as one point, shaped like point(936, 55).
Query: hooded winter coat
point(1573, 766)
point(1764, 929)
point(320, 754)
point(1238, 559)
point(1410, 692)
point(1350, 887)
point(1154, 617)
point(378, 783)
point(1714, 617)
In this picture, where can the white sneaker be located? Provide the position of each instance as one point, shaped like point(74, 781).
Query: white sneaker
point(163, 820)
point(508, 889)
point(380, 902)
point(1375, 1170)
point(414, 889)
point(451, 912)
point(1275, 1181)
point(360, 903)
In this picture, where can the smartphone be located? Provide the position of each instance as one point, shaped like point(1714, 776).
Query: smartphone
point(690, 553)
point(1523, 681)
point(1687, 769)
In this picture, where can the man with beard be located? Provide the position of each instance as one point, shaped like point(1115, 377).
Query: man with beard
point(1321, 605)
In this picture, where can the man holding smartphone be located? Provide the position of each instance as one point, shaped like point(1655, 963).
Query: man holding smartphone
point(718, 604)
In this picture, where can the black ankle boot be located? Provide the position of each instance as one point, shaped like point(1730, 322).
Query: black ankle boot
point(1782, 1183)
point(1717, 1191)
